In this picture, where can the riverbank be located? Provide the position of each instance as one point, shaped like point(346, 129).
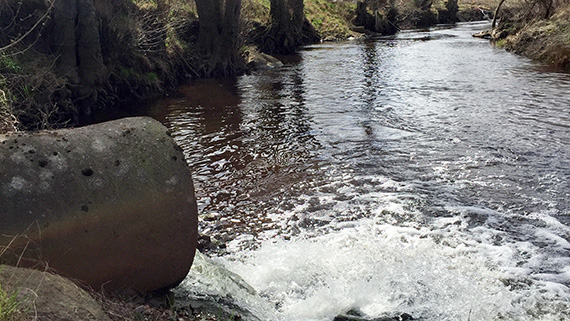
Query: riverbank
point(29, 295)
point(546, 40)
point(149, 48)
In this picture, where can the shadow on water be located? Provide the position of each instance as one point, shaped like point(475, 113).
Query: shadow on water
point(245, 140)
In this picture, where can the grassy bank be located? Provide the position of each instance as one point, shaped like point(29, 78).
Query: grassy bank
point(147, 50)
point(332, 20)
point(546, 40)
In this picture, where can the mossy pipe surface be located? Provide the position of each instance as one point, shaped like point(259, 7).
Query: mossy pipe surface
point(111, 204)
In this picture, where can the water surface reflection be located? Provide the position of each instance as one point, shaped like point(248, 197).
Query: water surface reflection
point(431, 146)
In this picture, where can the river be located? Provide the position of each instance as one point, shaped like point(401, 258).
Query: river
point(427, 174)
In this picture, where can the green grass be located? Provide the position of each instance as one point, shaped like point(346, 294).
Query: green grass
point(9, 65)
point(331, 19)
point(483, 4)
point(9, 305)
point(500, 43)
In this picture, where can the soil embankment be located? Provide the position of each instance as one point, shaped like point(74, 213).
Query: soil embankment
point(547, 40)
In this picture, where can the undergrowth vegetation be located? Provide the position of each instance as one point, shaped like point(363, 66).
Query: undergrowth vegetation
point(9, 305)
point(146, 49)
point(332, 20)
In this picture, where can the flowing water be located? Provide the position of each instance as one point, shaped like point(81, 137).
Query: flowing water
point(428, 174)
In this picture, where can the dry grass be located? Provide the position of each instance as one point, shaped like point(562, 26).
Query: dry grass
point(488, 4)
point(7, 119)
point(545, 40)
point(256, 11)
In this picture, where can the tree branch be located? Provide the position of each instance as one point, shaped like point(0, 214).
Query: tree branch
point(40, 21)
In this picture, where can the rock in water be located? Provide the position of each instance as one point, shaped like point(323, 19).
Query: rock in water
point(112, 204)
point(356, 315)
point(261, 61)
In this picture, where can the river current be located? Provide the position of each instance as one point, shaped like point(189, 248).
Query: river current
point(427, 173)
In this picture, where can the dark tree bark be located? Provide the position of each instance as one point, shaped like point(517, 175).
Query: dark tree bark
point(78, 48)
point(449, 14)
point(77, 43)
point(286, 31)
point(92, 70)
point(218, 36)
point(363, 18)
point(383, 18)
point(297, 8)
point(65, 13)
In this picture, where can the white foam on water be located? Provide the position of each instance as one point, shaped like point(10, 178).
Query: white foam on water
point(435, 273)
point(210, 281)
point(393, 261)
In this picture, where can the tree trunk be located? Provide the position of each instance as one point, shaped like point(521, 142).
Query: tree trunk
point(361, 14)
point(297, 8)
point(78, 49)
point(92, 70)
point(218, 36)
point(286, 31)
point(496, 14)
point(65, 41)
point(451, 8)
point(230, 30)
point(77, 43)
point(209, 12)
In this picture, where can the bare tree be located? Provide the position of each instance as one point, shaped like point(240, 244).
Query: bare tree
point(36, 28)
